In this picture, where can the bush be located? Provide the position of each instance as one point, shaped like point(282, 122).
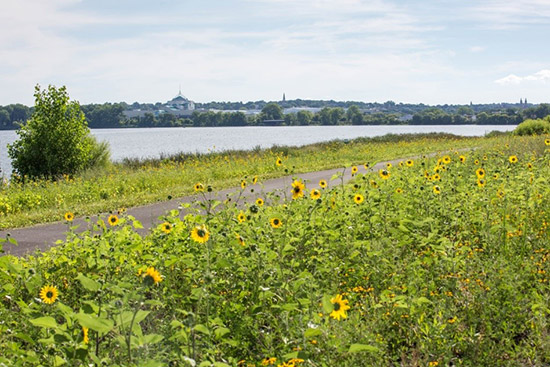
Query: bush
point(533, 127)
point(56, 139)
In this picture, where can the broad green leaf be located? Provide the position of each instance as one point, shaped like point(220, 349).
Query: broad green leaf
point(201, 329)
point(89, 284)
point(45, 321)
point(362, 348)
point(327, 305)
point(221, 331)
point(93, 322)
point(312, 332)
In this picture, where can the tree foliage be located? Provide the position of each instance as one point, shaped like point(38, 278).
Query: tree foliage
point(56, 139)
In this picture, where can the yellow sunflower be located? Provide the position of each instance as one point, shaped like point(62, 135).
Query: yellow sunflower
point(315, 194)
point(152, 276)
point(384, 174)
point(437, 190)
point(113, 220)
point(323, 184)
point(513, 159)
point(297, 189)
point(358, 198)
point(279, 162)
point(240, 239)
point(374, 184)
point(354, 170)
point(399, 190)
point(200, 234)
point(259, 201)
point(409, 163)
point(339, 307)
point(446, 159)
point(69, 216)
point(462, 159)
point(500, 193)
point(269, 361)
point(366, 165)
point(546, 141)
point(166, 227)
point(243, 184)
point(529, 165)
point(480, 173)
point(436, 177)
point(275, 222)
point(389, 165)
point(241, 217)
point(481, 182)
point(48, 294)
point(85, 338)
point(198, 187)
point(255, 180)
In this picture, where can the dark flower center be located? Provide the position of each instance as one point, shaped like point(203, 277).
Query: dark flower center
point(201, 233)
point(336, 306)
point(49, 294)
point(276, 222)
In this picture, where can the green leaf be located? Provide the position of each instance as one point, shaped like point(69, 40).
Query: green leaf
point(354, 348)
point(89, 284)
point(221, 331)
point(152, 339)
point(201, 329)
point(310, 333)
point(327, 305)
point(46, 321)
point(96, 323)
point(137, 224)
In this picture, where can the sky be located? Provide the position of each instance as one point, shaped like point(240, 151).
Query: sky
point(408, 51)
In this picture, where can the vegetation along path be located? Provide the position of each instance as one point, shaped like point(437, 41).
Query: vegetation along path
point(44, 236)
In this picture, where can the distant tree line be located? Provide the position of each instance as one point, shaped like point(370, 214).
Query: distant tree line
point(111, 115)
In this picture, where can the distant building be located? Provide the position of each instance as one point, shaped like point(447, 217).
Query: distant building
point(179, 106)
point(180, 102)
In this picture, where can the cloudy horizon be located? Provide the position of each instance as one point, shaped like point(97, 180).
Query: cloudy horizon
point(432, 52)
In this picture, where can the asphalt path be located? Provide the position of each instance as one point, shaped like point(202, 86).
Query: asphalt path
point(44, 236)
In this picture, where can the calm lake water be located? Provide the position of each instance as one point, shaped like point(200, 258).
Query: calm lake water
point(152, 142)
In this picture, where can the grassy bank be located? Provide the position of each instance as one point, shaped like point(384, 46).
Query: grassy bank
point(436, 262)
point(137, 182)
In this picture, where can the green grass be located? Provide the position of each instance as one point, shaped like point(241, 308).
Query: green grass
point(443, 263)
point(141, 182)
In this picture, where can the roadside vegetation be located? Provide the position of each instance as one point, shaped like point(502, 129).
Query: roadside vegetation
point(109, 188)
point(441, 261)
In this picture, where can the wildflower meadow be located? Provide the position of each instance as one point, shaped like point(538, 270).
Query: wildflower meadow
point(440, 260)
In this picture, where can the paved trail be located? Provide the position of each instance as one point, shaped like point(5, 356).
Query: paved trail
point(44, 236)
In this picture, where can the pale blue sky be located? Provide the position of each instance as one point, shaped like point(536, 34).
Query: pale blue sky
point(432, 52)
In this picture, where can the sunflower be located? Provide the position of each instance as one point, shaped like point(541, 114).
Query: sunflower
point(69, 216)
point(275, 222)
point(436, 177)
point(240, 239)
point(409, 163)
point(259, 201)
point(546, 141)
point(384, 174)
point(481, 182)
point(279, 162)
point(152, 276)
point(199, 187)
point(166, 227)
point(389, 165)
point(339, 307)
point(85, 335)
point(358, 198)
point(255, 180)
point(323, 184)
point(462, 159)
point(480, 173)
point(530, 165)
point(243, 184)
point(48, 294)
point(374, 184)
point(500, 193)
point(366, 165)
point(113, 220)
point(297, 189)
point(446, 159)
point(269, 361)
point(241, 217)
point(476, 162)
point(437, 190)
point(315, 194)
point(495, 176)
point(200, 234)
point(513, 159)
point(399, 190)
point(354, 170)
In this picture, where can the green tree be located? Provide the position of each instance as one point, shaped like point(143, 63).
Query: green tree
point(56, 139)
point(272, 111)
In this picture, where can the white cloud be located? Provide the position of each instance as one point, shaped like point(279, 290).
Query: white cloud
point(476, 49)
point(512, 79)
point(510, 14)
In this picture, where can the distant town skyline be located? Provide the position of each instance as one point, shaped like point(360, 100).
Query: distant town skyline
point(420, 51)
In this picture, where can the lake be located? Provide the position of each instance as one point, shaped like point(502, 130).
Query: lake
point(151, 142)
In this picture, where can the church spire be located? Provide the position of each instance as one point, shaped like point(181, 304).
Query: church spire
point(180, 90)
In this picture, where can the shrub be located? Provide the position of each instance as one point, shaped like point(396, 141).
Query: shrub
point(534, 127)
point(56, 139)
